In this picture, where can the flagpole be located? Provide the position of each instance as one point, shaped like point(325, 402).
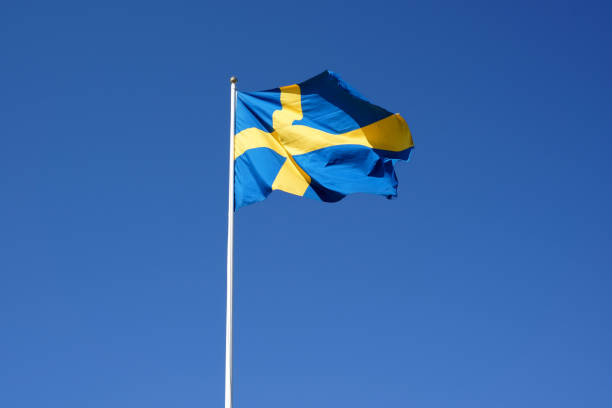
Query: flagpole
point(230, 252)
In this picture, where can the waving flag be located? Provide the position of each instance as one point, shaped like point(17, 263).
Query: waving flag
point(319, 139)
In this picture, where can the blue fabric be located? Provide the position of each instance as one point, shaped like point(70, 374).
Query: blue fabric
point(331, 105)
point(254, 173)
point(341, 170)
point(254, 109)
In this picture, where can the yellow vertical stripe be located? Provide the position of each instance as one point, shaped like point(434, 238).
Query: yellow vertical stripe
point(291, 178)
point(291, 107)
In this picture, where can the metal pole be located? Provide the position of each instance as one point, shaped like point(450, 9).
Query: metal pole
point(230, 252)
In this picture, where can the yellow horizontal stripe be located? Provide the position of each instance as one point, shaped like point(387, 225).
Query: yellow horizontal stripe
point(391, 134)
point(252, 138)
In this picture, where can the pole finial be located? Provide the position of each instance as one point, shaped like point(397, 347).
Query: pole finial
point(233, 79)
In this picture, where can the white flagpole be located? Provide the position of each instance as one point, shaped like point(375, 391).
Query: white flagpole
point(230, 252)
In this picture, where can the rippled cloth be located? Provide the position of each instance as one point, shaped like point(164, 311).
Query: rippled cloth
point(319, 139)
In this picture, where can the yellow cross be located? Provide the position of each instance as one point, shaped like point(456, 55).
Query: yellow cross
point(286, 139)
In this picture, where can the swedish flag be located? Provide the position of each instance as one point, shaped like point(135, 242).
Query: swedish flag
point(319, 139)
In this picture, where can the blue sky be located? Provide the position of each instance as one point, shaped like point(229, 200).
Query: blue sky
point(486, 283)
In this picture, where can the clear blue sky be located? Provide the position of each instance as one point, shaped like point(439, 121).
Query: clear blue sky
point(485, 284)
